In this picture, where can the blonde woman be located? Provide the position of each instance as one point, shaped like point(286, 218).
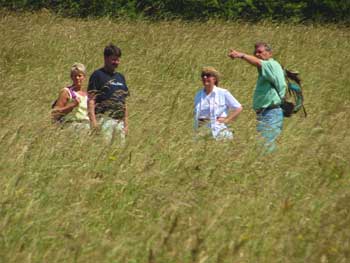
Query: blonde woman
point(71, 105)
point(214, 107)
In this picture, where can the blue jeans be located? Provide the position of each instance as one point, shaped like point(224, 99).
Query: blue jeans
point(270, 123)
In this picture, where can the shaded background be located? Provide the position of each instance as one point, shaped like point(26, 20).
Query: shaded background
point(252, 10)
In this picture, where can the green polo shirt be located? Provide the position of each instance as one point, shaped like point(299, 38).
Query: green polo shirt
point(265, 95)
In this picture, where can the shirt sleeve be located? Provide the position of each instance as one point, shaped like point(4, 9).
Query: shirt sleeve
point(127, 91)
point(231, 101)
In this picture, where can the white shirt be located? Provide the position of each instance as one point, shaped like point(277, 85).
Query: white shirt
point(212, 106)
point(205, 104)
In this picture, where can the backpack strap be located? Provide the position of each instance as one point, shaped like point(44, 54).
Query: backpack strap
point(71, 92)
point(305, 113)
point(68, 91)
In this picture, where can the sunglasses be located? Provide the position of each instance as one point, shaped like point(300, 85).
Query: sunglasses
point(207, 75)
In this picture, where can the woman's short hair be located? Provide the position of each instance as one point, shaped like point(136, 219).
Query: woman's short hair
point(78, 67)
point(212, 72)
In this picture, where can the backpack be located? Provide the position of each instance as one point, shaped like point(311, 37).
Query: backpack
point(58, 117)
point(294, 101)
point(71, 93)
point(294, 91)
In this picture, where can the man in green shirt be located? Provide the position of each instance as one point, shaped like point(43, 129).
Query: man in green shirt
point(266, 100)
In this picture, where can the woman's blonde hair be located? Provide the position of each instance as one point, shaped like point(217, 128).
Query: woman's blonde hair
point(78, 67)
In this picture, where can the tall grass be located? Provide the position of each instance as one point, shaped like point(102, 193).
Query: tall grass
point(68, 197)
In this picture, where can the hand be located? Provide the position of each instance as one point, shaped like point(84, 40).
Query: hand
point(94, 126)
point(126, 130)
point(76, 100)
point(221, 120)
point(235, 54)
point(75, 103)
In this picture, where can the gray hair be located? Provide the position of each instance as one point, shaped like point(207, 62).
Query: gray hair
point(263, 44)
point(78, 67)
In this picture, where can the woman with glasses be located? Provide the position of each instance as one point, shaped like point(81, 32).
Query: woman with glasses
point(214, 107)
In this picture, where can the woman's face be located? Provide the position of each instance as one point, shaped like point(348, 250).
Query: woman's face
point(78, 78)
point(208, 80)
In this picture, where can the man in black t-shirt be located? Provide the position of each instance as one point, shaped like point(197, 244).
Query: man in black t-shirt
point(107, 96)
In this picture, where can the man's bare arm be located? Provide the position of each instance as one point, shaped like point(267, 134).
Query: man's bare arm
point(249, 58)
point(91, 111)
point(126, 119)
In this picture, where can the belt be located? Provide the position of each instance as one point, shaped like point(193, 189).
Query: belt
point(203, 119)
point(258, 111)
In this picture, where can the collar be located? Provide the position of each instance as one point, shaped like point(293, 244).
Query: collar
point(108, 72)
point(215, 89)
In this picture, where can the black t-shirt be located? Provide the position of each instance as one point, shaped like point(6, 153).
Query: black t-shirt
point(111, 91)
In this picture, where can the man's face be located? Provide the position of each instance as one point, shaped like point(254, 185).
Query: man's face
point(112, 62)
point(261, 53)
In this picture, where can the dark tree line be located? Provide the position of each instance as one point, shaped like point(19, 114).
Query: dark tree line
point(252, 10)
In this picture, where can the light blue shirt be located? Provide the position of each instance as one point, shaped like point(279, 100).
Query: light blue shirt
point(216, 104)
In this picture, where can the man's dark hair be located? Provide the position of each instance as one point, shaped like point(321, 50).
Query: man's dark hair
point(263, 44)
point(112, 50)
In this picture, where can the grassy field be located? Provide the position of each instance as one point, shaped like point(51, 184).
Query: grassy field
point(67, 197)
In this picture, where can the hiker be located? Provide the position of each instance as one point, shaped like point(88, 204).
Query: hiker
point(71, 105)
point(266, 100)
point(107, 92)
point(214, 107)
